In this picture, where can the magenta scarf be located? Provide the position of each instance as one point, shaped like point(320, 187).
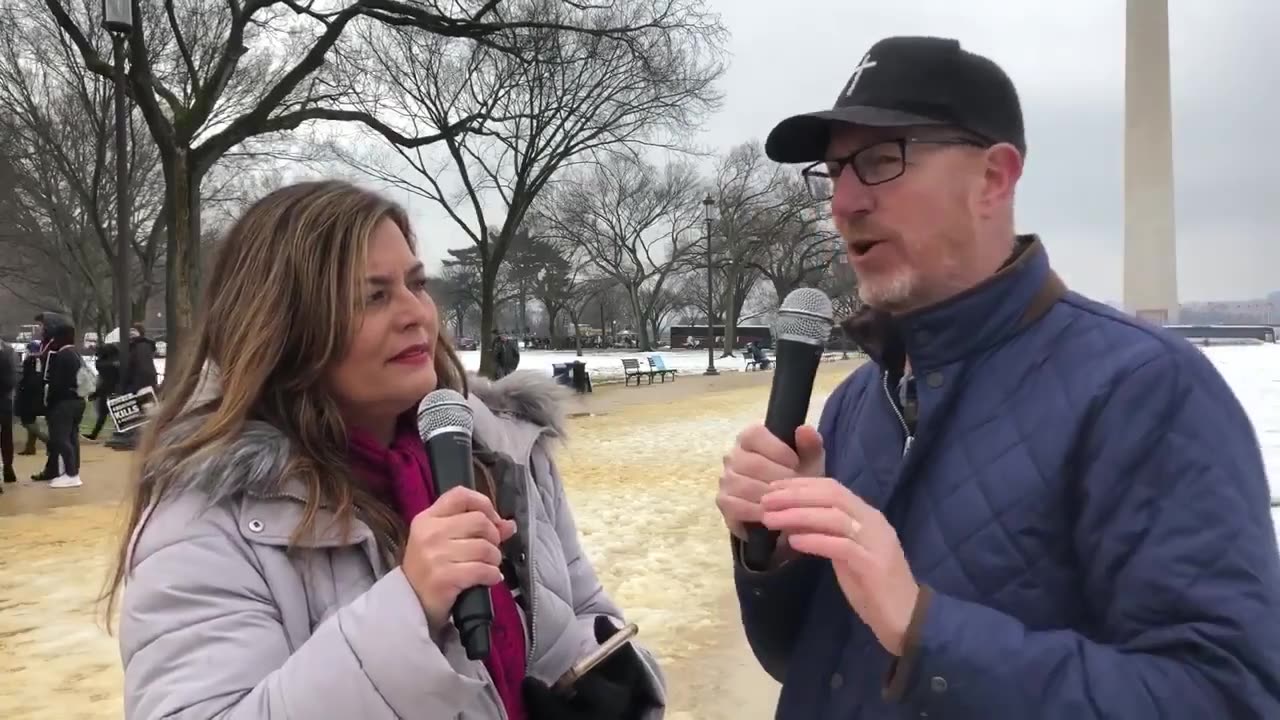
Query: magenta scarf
point(401, 475)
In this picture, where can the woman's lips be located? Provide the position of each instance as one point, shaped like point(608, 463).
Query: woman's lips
point(416, 355)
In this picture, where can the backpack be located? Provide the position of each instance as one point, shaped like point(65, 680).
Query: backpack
point(86, 381)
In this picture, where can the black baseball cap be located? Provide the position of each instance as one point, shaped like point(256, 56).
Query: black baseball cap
point(904, 81)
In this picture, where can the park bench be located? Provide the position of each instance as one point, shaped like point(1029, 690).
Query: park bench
point(631, 369)
point(753, 364)
point(658, 366)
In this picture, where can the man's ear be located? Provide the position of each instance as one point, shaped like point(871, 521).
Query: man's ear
point(1001, 172)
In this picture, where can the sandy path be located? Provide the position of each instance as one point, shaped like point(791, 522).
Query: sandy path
point(640, 472)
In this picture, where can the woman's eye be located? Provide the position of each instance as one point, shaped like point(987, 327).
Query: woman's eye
point(419, 285)
point(377, 296)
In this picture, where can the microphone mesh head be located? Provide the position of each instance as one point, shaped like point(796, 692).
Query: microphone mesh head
point(444, 408)
point(805, 316)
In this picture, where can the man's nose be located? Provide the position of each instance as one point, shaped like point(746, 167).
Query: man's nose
point(850, 196)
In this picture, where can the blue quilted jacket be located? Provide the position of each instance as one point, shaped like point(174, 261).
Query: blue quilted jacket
point(1084, 503)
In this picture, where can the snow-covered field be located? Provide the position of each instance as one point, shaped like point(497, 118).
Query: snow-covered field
point(604, 366)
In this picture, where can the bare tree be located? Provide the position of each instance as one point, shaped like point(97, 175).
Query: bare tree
point(633, 222)
point(61, 146)
point(759, 203)
point(841, 284)
point(567, 288)
point(585, 94)
point(210, 76)
point(798, 246)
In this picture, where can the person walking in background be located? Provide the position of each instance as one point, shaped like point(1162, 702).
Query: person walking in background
point(499, 344)
point(29, 401)
point(510, 354)
point(140, 373)
point(108, 366)
point(142, 361)
point(8, 384)
point(64, 408)
point(286, 553)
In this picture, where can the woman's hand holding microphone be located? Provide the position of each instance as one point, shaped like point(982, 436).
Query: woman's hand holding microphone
point(454, 545)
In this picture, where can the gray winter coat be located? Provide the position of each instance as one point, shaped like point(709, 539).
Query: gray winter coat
point(219, 621)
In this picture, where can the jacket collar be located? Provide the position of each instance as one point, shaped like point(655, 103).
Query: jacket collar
point(961, 326)
point(511, 417)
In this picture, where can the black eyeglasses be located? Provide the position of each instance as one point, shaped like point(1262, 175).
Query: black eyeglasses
point(874, 165)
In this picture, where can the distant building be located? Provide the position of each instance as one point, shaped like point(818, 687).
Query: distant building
point(1231, 312)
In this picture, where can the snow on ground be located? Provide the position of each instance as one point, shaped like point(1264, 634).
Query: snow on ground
point(604, 365)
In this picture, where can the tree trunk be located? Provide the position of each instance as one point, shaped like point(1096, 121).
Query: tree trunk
point(139, 306)
point(731, 311)
point(459, 313)
point(577, 332)
point(182, 269)
point(524, 319)
point(552, 314)
point(488, 288)
point(642, 339)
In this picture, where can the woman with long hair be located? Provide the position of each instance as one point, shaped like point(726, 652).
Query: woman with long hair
point(285, 556)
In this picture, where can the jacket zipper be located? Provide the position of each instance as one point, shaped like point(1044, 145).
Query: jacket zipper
point(893, 403)
point(530, 487)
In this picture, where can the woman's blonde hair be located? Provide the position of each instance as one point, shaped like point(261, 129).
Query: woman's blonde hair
point(279, 309)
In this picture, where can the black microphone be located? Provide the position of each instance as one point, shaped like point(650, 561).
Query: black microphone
point(800, 335)
point(445, 421)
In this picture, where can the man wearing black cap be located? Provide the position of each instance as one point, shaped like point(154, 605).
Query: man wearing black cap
point(1028, 505)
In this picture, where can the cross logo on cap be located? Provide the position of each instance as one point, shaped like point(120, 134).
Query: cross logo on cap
point(865, 64)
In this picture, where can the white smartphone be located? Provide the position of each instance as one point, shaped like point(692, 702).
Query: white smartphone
point(564, 685)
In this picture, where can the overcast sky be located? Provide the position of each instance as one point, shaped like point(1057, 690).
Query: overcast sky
point(1067, 60)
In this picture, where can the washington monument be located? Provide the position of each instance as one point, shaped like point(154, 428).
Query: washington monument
point(1150, 264)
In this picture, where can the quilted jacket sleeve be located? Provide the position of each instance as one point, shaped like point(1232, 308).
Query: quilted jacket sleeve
point(1182, 575)
point(202, 637)
point(774, 603)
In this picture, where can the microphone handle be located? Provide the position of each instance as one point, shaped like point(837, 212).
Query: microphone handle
point(449, 455)
point(793, 375)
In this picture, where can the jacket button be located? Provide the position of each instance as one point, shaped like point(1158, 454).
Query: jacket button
point(934, 379)
point(836, 681)
point(938, 684)
point(256, 526)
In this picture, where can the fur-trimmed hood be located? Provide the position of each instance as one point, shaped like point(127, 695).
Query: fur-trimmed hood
point(512, 415)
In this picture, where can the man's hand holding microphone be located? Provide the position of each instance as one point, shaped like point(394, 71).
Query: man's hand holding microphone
point(765, 481)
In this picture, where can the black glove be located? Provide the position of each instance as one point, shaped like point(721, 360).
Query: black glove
point(595, 698)
point(624, 666)
point(616, 689)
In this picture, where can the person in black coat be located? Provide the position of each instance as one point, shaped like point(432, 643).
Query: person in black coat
point(64, 409)
point(108, 365)
point(142, 361)
point(140, 373)
point(29, 401)
point(8, 383)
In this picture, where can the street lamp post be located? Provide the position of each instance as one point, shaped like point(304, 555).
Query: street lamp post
point(117, 19)
point(707, 204)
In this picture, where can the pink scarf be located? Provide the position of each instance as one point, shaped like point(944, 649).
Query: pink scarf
point(401, 475)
